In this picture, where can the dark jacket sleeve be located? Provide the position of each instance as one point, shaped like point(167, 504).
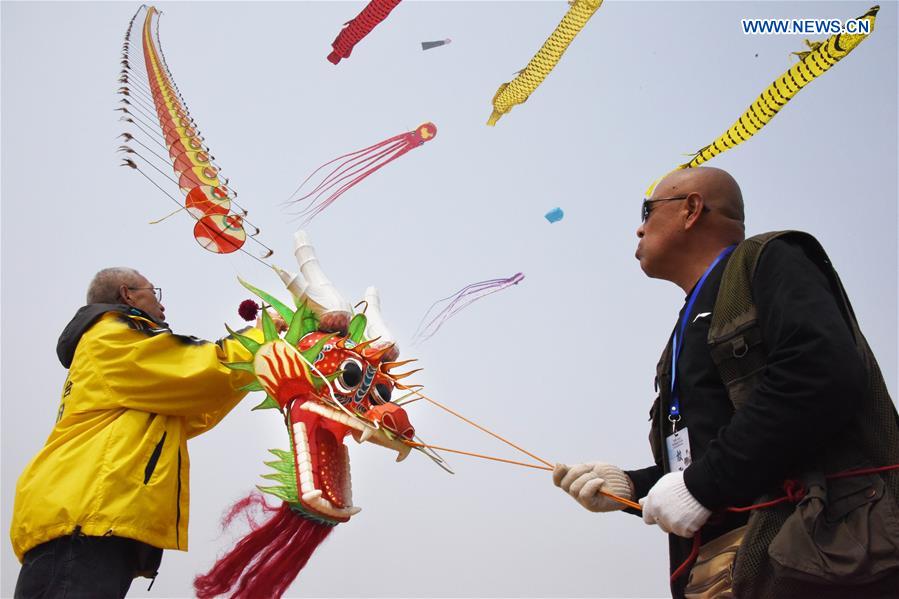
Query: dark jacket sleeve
point(643, 480)
point(810, 388)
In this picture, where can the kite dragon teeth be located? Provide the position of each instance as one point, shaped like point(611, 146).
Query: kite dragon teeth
point(312, 495)
point(299, 433)
point(366, 435)
point(324, 506)
point(326, 412)
point(369, 434)
point(403, 452)
point(348, 485)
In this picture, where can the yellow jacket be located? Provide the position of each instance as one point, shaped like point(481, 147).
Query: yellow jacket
point(116, 462)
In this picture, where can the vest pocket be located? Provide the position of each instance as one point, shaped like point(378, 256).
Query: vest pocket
point(844, 531)
point(154, 458)
point(712, 575)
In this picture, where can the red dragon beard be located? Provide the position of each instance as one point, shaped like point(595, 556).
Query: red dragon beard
point(266, 561)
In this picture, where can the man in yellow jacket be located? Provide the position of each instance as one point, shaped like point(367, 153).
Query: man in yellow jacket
point(110, 489)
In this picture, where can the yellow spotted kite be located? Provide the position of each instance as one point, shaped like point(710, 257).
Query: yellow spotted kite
point(518, 90)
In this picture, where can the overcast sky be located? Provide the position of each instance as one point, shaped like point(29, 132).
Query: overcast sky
point(562, 363)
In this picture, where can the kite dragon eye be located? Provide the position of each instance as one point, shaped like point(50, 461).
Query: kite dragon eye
point(350, 378)
point(382, 392)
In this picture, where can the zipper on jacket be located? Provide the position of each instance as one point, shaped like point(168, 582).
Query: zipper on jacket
point(154, 458)
point(178, 506)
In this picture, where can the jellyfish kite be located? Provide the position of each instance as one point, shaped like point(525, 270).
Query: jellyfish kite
point(352, 168)
point(444, 309)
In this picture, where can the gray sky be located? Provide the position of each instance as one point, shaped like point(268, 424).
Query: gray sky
point(562, 363)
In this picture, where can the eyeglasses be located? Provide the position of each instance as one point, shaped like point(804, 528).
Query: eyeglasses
point(646, 208)
point(157, 291)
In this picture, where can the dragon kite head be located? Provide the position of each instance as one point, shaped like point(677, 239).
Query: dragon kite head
point(332, 377)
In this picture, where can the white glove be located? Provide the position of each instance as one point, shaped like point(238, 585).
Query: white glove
point(670, 505)
point(584, 481)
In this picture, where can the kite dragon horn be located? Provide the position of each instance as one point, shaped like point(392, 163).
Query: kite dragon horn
point(376, 327)
point(333, 311)
point(294, 283)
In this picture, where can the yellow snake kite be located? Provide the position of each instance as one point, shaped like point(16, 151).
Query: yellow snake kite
point(518, 90)
point(812, 63)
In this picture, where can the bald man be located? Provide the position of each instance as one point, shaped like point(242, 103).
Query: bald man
point(809, 398)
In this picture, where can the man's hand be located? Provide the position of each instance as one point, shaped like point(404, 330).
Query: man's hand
point(280, 325)
point(584, 482)
point(670, 505)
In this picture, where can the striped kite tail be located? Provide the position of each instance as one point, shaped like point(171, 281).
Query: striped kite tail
point(518, 90)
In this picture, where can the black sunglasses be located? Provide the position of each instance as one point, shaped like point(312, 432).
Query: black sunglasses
point(646, 208)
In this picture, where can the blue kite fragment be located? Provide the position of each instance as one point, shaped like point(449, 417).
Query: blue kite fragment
point(554, 215)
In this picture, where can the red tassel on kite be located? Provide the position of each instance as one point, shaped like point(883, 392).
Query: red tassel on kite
point(268, 559)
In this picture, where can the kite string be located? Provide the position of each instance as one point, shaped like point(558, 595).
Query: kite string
point(614, 497)
point(150, 179)
point(242, 217)
point(476, 455)
point(140, 109)
point(547, 465)
point(481, 428)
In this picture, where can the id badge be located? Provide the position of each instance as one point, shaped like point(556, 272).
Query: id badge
point(678, 446)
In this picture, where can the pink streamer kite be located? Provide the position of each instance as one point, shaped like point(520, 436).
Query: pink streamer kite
point(456, 302)
point(356, 166)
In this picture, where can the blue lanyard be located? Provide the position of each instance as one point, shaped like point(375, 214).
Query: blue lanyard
point(674, 409)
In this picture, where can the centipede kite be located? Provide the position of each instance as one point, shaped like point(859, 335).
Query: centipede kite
point(813, 63)
point(161, 122)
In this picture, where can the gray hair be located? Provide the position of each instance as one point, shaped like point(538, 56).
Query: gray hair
point(104, 288)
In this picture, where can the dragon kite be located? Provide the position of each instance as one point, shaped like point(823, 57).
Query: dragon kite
point(813, 63)
point(353, 31)
point(330, 377)
point(546, 59)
